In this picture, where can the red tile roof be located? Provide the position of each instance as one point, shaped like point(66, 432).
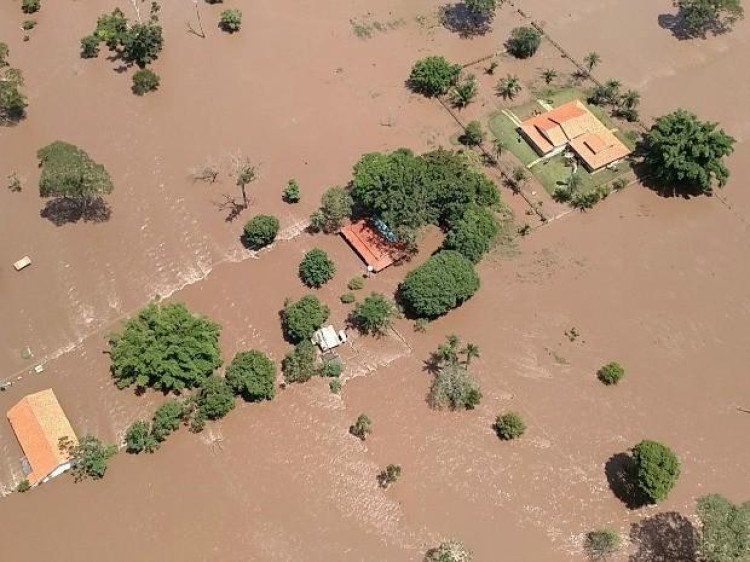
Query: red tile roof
point(375, 250)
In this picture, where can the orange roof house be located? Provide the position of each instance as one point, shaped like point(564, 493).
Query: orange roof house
point(39, 424)
point(371, 246)
point(572, 124)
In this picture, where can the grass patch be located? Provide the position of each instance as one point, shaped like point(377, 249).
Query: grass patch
point(506, 243)
point(364, 27)
point(554, 172)
point(505, 130)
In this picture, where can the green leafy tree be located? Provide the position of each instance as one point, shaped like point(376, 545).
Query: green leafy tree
point(23, 486)
point(252, 375)
point(142, 43)
point(215, 399)
point(167, 418)
point(336, 207)
point(433, 76)
point(230, 20)
point(601, 544)
point(144, 81)
point(509, 87)
point(389, 475)
point(685, 153)
point(90, 46)
point(347, 298)
point(657, 469)
point(509, 426)
point(606, 94)
point(483, 8)
point(91, 457)
point(12, 100)
point(700, 17)
point(138, 438)
point(299, 364)
point(611, 373)
point(292, 192)
point(474, 234)
point(454, 388)
point(316, 268)
point(69, 172)
point(300, 319)
point(449, 551)
point(523, 42)
point(30, 6)
point(374, 315)
point(473, 134)
point(725, 529)
point(165, 347)
point(362, 427)
point(465, 91)
point(443, 282)
point(111, 28)
point(260, 231)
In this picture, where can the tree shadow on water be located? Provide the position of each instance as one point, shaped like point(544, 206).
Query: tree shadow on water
point(675, 24)
point(459, 19)
point(621, 476)
point(63, 210)
point(665, 537)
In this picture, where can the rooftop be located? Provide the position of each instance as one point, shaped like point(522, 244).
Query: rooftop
point(371, 246)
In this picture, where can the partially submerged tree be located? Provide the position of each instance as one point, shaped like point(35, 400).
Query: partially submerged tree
point(509, 425)
point(230, 20)
point(523, 42)
point(454, 388)
point(167, 418)
point(91, 457)
point(292, 192)
point(316, 268)
point(611, 373)
point(601, 544)
point(389, 475)
point(299, 364)
point(549, 75)
point(591, 59)
point(374, 315)
point(473, 134)
point(465, 91)
point(473, 234)
point(301, 318)
point(483, 8)
point(657, 469)
point(214, 400)
point(245, 173)
point(433, 76)
point(12, 100)
point(725, 529)
point(252, 375)
point(336, 207)
point(138, 438)
point(260, 231)
point(699, 17)
point(362, 427)
point(144, 81)
point(449, 551)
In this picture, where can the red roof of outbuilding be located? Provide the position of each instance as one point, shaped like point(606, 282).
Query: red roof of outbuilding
point(375, 250)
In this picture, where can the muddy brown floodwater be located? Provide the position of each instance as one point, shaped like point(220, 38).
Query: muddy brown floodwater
point(658, 284)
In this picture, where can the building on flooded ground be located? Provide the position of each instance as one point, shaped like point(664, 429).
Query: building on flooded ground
point(372, 245)
point(41, 427)
point(573, 126)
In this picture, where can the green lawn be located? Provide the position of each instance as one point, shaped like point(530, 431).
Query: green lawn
point(553, 173)
point(505, 130)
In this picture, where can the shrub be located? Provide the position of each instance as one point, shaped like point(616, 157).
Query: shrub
point(657, 469)
point(252, 375)
point(215, 399)
point(474, 234)
point(336, 207)
point(601, 544)
point(142, 43)
point(145, 80)
point(389, 475)
point(90, 46)
point(362, 427)
point(523, 42)
point(356, 283)
point(449, 551)
point(91, 457)
point(300, 319)
point(292, 192)
point(167, 419)
point(485, 8)
point(138, 438)
point(165, 347)
point(473, 134)
point(611, 373)
point(30, 6)
point(331, 368)
point(443, 282)
point(28, 25)
point(230, 20)
point(374, 315)
point(454, 388)
point(585, 199)
point(335, 386)
point(433, 76)
point(316, 268)
point(347, 298)
point(509, 426)
point(725, 532)
point(619, 183)
point(260, 231)
point(23, 486)
point(299, 364)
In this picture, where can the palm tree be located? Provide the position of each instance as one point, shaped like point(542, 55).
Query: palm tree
point(520, 175)
point(469, 352)
point(448, 352)
point(509, 86)
point(630, 99)
point(464, 92)
point(574, 182)
point(591, 60)
point(498, 145)
point(549, 75)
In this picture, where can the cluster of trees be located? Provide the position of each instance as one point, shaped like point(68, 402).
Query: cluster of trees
point(433, 76)
point(454, 387)
point(12, 100)
point(623, 104)
point(700, 17)
point(91, 457)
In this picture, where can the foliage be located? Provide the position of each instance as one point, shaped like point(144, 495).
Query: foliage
point(473, 134)
point(336, 207)
point(473, 234)
point(389, 475)
point(449, 551)
point(90, 46)
point(619, 183)
point(335, 386)
point(605, 94)
point(111, 28)
point(454, 388)
point(12, 100)
point(465, 91)
point(509, 426)
point(142, 42)
point(549, 75)
point(292, 192)
point(587, 199)
point(684, 152)
point(523, 42)
point(68, 171)
point(657, 469)
point(30, 6)
point(433, 76)
point(702, 16)
point(356, 283)
point(484, 8)
point(601, 544)
point(374, 315)
point(443, 282)
point(347, 298)
point(300, 319)
point(725, 532)
point(611, 373)
point(230, 20)
point(260, 231)
point(145, 80)
point(362, 427)
point(28, 24)
point(215, 399)
point(331, 368)
point(299, 364)
point(509, 86)
point(23, 486)
point(165, 347)
point(252, 375)
point(167, 418)
point(138, 438)
point(91, 457)
point(316, 268)
point(591, 59)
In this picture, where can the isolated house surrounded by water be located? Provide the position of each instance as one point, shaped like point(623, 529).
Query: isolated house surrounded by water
point(371, 245)
point(39, 424)
point(573, 125)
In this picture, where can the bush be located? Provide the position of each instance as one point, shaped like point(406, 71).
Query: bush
point(335, 386)
point(142, 43)
point(389, 475)
point(454, 388)
point(252, 375)
point(657, 469)
point(331, 368)
point(523, 42)
point(90, 46)
point(167, 419)
point(473, 134)
point(292, 192)
point(260, 231)
point(138, 438)
point(611, 373)
point(362, 427)
point(374, 315)
point(509, 426)
point(485, 8)
point(450, 551)
point(443, 282)
point(619, 183)
point(336, 207)
point(356, 283)
point(433, 76)
point(23, 486)
point(111, 28)
point(145, 80)
point(215, 399)
point(725, 532)
point(165, 347)
point(30, 6)
point(601, 544)
point(91, 457)
point(230, 20)
point(316, 268)
point(300, 319)
point(474, 234)
point(28, 25)
point(347, 298)
point(299, 364)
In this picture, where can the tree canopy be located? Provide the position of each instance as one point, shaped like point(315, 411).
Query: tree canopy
point(473, 234)
point(140, 43)
point(299, 364)
point(433, 76)
point(523, 42)
point(725, 529)
point(300, 319)
point(252, 375)
point(335, 208)
point(260, 231)
point(67, 171)
point(167, 418)
point(509, 425)
point(657, 469)
point(165, 347)
point(12, 100)
point(316, 268)
point(700, 17)
point(215, 399)
point(686, 154)
point(485, 8)
point(91, 457)
point(374, 315)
